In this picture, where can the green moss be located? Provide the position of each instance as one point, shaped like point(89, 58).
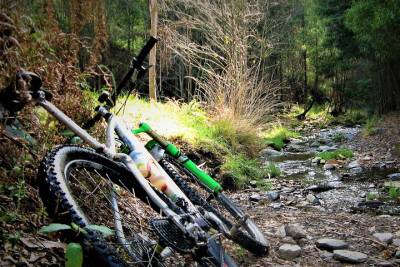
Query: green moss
point(342, 153)
point(278, 136)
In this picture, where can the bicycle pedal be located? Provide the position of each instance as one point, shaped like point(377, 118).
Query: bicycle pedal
point(171, 235)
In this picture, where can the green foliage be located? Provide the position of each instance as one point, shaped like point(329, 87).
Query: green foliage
point(190, 123)
point(375, 24)
point(394, 192)
point(278, 136)
point(369, 127)
point(54, 227)
point(371, 196)
point(264, 184)
point(342, 153)
point(74, 255)
point(273, 170)
point(243, 169)
point(339, 137)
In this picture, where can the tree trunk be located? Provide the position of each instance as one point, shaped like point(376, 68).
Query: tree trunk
point(152, 59)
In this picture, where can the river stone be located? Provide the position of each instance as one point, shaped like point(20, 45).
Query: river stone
point(331, 244)
point(269, 152)
point(273, 195)
point(349, 256)
point(353, 164)
point(392, 184)
point(356, 170)
point(326, 148)
point(396, 242)
point(397, 255)
point(313, 199)
point(328, 166)
point(295, 230)
point(386, 238)
point(289, 251)
point(394, 176)
point(276, 205)
point(255, 197)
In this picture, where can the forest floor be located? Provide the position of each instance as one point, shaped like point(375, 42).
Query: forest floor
point(351, 200)
point(344, 199)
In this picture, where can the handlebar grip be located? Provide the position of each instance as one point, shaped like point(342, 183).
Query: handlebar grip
point(90, 123)
point(145, 50)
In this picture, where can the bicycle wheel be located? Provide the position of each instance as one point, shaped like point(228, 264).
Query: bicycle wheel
point(80, 186)
point(248, 235)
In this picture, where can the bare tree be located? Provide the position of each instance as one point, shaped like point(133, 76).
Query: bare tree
point(152, 59)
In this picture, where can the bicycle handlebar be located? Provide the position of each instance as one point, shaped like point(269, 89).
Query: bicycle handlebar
point(137, 64)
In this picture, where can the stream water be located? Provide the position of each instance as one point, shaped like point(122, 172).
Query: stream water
point(344, 187)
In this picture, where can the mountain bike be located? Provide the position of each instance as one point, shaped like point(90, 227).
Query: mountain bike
point(120, 185)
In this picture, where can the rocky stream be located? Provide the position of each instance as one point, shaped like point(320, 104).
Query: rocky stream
point(327, 212)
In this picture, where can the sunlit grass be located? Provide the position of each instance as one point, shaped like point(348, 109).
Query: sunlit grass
point(341, 153)
point(170, 119)
point(278, 136)
point(234, 145)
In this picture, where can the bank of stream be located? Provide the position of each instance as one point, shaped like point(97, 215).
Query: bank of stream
point(341, 200)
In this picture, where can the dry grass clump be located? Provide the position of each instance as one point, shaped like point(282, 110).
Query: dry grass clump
point(214, 37)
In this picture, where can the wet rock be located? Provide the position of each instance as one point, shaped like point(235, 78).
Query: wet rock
point(273, 195)
point(331, 244)
point(326, 148)
point(289, 251)
point(362, 195)
point(255, 197)
point(316, 160)
point(276, 205)
point(327, 255)
point(313, 199)
point(328, 166)
point(322, 161)
point(396, 242)
point(384, 264)
point(353, 164)
point(349, 256)
point(386, 238)
point(315, 144)
point(397, 255)
point(288, 190)
point(367, 158)
point(392, 184)
point(356, 170)
point(280, 232)
point(295, 230)
point(320, 187)
point(394, 176)
point(270, 153)
point(289, 240)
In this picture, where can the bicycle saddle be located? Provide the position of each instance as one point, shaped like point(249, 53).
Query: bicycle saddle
point(35, 80)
